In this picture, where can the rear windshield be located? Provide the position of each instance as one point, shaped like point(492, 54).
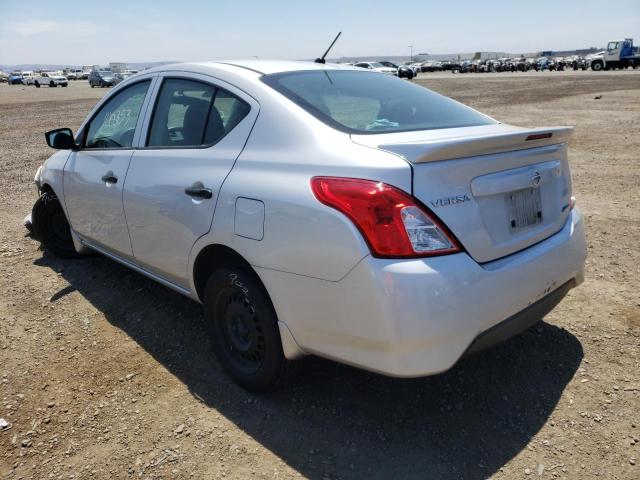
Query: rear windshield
point(371, 102)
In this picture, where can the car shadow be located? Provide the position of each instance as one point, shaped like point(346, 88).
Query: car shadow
point(339, 422)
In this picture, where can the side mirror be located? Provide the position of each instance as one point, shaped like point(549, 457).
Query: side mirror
point(61, 139)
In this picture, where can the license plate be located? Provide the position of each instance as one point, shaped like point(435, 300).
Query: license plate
point(525, 208)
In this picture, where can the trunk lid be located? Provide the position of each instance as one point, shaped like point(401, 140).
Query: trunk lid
point(498, 188)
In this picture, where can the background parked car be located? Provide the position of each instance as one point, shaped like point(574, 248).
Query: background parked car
point(3, 77)
point(404, 71)
point(119, 77)
point(431, 66)
point(579, 63)
point(102, 78)
point(521, 64)
point(417, 67)
point(450, 65)
point(544, 63)
point(73, 74)
point(15, 78)
point(378, 67)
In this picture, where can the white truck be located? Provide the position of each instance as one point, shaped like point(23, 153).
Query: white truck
point(27, 77)
point(72, 73)
point(87, 69)
point(49, 78)
point(619, 54)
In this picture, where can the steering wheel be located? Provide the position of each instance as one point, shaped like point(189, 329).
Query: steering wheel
point(104, 142)
point(175, 134)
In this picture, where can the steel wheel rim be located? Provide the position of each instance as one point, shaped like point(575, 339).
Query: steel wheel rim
point(241, 331)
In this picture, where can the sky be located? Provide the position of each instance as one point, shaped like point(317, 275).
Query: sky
point(85, 32)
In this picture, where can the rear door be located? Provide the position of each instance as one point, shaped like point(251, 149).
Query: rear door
point(94, 175)
point(198, 127)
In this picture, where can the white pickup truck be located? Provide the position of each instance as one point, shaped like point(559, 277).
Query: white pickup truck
point(27, 77)
point(49, 78)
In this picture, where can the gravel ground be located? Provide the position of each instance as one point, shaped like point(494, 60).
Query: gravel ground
point(105, 374)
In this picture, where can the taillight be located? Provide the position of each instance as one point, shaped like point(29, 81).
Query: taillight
point(392, 222)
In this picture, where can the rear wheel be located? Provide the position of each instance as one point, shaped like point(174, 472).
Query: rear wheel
point(51, 227)
point(37, 84)
point(243, 329)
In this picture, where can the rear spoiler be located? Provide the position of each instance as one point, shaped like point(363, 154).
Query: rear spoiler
point(514, 138)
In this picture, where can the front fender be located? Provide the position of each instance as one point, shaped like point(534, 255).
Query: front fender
point(51, 173)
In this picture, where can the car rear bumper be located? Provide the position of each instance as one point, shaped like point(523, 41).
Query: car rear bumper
point(521, 321)
point(417, 317)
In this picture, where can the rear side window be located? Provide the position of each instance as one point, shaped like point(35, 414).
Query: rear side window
point(369, 102)
point(189, 113)
point(230, 108)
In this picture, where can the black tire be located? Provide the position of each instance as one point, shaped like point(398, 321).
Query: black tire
point(52, 85)
point(37, 84)
point(51, 227)
point(597, 66)
point(243, 329)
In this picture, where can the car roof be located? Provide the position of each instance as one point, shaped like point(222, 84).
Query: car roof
point(254, 67)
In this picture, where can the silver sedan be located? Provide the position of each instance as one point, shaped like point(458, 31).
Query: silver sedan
point(319, 209)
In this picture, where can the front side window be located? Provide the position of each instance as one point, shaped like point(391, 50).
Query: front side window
point(115, 123)
point(189, 113)
point(367, 102)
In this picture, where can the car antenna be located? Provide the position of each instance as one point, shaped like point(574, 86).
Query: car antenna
point(321, 59)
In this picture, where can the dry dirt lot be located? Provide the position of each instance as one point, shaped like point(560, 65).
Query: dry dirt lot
point(105, 374)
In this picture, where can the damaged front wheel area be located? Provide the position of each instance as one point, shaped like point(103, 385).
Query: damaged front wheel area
point(49, 225)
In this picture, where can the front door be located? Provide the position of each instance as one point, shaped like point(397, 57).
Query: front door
point(613, 52)
point(94, 175)
point(197, 131)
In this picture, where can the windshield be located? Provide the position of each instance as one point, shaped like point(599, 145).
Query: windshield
point(368, 102)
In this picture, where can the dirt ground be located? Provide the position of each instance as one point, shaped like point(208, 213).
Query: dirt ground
point(106, 374)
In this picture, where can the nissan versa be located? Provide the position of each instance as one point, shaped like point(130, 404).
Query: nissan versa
point(319, 209)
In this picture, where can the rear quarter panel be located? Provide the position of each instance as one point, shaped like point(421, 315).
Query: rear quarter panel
point(287, 148)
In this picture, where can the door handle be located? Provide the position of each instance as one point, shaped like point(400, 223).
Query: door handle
point(198, 192)
point(109, 177)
